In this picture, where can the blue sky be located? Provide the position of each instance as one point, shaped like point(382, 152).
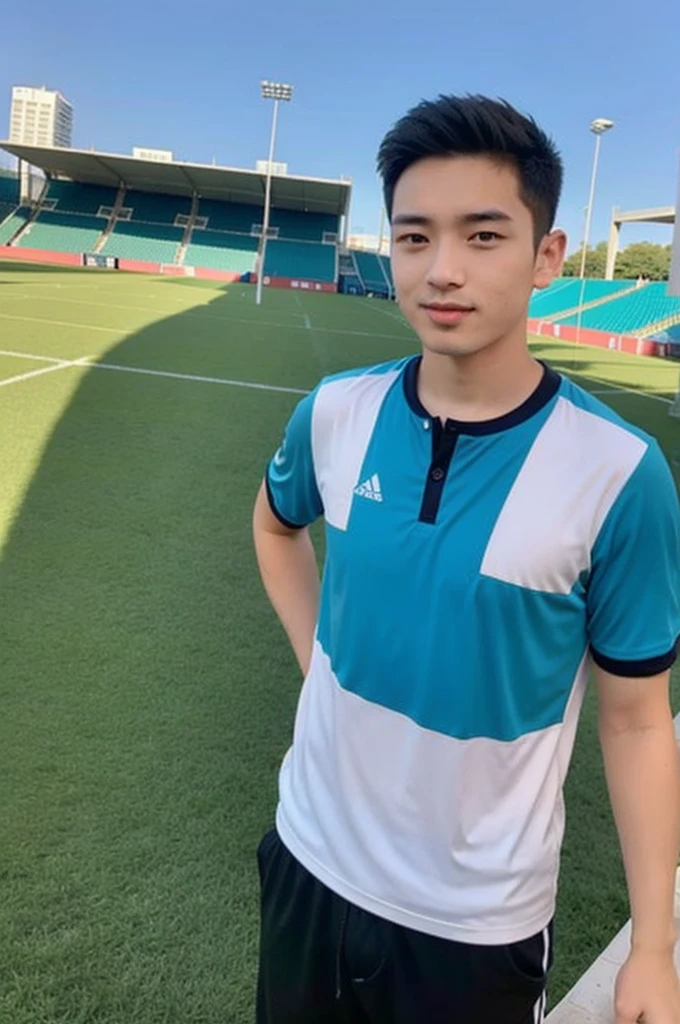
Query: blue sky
point(187, 78)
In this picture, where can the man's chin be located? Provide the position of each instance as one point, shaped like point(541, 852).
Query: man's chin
point(452, 343)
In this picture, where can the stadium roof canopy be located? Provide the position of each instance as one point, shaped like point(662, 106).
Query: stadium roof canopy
point(313, 195)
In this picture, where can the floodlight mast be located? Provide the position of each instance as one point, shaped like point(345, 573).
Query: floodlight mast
point(276, 91)
point(598, 127)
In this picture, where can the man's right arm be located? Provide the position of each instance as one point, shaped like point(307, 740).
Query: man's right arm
point(290, 575)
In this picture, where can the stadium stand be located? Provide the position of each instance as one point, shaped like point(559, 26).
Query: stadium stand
point(9, 193)
point(14, 223)
point(154, 208)
point(229, 241)
point(632, 312)
point(307, 227)
point(565, 293)
point(239, 217)
point(348, 280)
point(6, 209)
point(221, 250)
point(384, 262)
point(372, 277)
point(300, 260)
point(63, 232)
point(149, 235)
point(71, 197)
point(154, 243)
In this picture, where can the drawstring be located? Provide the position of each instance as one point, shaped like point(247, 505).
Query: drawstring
point(338, 959)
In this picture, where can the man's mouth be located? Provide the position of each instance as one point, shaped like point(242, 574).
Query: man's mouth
point(447, 313)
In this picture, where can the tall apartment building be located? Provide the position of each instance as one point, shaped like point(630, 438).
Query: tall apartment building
point(40, 117)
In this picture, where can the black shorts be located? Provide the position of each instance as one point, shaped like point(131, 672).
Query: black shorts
point(325, 961)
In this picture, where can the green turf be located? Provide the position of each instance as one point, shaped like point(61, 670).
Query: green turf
point(147, 694)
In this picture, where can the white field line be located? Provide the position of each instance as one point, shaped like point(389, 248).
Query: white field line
point(397, 317)
point(192, 313)
point(621, 388)
point(57, 364)
point(62, 323)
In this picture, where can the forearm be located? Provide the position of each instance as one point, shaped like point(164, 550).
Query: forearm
point(641, 766)
point(291, 578)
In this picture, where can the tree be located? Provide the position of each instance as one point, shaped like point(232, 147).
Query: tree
point(639, 259)
point(596, 262)
point(644, 259)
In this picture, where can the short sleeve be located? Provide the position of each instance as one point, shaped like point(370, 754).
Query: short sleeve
point(633, 595)
point(290, 479)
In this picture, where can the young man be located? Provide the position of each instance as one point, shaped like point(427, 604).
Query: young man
point(492, 530)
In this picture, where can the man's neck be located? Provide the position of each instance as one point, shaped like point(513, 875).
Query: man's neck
point(478, 387)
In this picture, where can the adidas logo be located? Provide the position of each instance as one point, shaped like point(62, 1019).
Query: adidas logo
point(370, 489)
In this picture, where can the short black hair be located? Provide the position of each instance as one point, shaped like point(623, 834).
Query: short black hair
point(477, 126)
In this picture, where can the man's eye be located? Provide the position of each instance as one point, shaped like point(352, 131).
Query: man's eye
point(487, 236)
point(413, 238)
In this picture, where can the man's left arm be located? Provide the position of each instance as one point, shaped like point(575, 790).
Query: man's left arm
point(633, 596)
point(643, 777)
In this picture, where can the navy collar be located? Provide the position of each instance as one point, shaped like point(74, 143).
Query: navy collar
point(547, 389)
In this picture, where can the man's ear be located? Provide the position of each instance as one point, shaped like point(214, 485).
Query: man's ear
point(550, 258)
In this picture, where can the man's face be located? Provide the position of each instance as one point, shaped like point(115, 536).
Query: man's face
point(464, 260)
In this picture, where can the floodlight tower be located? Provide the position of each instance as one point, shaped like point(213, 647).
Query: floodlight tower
point(598, 127)
point(276, 91)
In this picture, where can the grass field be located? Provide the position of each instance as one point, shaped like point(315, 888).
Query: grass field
point(146, 692)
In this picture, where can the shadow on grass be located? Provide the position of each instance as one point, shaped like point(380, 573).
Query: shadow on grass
point(148, 696)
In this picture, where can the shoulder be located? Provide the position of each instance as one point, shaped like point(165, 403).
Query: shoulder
point(360, 387)
point(617, 456)
point(599, 432)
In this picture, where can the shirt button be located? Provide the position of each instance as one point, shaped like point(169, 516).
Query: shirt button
point(426, 424)
point(437, 474)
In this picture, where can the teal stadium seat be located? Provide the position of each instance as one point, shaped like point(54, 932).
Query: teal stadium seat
point(300, 260)
point(9, 195)
point(387, 267)
point(73, 197)
point(152, 208)
point(12, 224)
point(63, 232)
point(153, 243)
point(565, 293)
point(9, 192)
point(307, 227)
point(220, 250)
point(238, 217)
point(6, 209)
point(370, 268)
point(631, 312)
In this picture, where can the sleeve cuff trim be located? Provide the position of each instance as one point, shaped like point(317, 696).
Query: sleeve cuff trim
point(272, 504)
point(639, 668)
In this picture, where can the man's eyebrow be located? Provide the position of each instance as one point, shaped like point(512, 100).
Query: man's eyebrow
point(415, 219)
point(474, 217)
point(478, 216)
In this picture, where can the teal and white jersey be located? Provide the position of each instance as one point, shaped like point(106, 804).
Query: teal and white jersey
point(472, 571)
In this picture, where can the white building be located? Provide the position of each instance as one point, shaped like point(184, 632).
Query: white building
point(40, 117)
point(370, 243)
point(157, 156)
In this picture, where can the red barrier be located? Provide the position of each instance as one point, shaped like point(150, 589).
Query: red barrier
point(139, 266)
point(601, 339)
point(72, 259)
point(206, 274)
point(62, 259)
